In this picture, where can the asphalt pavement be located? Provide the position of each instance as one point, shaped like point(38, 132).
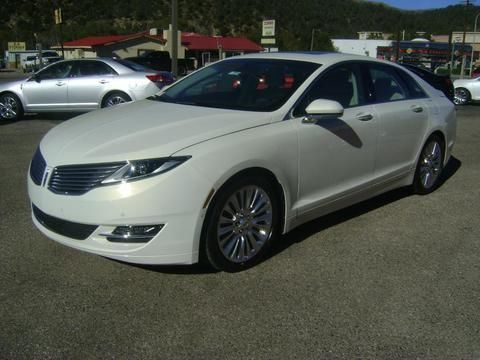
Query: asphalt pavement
point(397, 276)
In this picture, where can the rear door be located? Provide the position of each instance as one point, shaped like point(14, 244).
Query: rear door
point(403, 109)
point(90, 80)
point(48, 89)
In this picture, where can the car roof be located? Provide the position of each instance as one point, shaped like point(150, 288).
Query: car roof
point(324, 58)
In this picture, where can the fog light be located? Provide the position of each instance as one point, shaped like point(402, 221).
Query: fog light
point(133, 234)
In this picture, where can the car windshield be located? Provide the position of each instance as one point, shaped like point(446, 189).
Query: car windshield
point(131, 65)
point(241, 84)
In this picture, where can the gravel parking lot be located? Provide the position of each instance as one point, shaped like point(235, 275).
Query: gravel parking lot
point(394, 277)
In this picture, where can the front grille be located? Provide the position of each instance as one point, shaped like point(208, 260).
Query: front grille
point(79, 179)
point(37, 167)
point(63, 227)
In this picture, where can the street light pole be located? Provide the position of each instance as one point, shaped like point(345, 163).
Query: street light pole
point(473, 43)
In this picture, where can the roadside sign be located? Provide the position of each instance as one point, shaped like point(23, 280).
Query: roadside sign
point(17, 46)
point(267, 41)
point(268, 28)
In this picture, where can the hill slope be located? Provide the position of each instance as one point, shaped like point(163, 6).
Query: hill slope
point(295, 19)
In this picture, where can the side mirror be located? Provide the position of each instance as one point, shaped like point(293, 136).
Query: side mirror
point(322, 107)
point(35, 77)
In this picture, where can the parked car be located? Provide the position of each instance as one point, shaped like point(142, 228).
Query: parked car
point(32, 62)
point(440, 82)
point(217, 166)
point(160, 60)
point(466, 90)
point(475, 72)
point(80, 85)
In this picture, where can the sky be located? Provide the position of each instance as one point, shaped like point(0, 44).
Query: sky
point(421, 4)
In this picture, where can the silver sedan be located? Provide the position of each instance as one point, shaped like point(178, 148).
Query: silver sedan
point(80, 85)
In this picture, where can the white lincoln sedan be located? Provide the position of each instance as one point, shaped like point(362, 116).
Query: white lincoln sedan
point(220, 164)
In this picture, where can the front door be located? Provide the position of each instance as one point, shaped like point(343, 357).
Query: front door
point(48, 89)
point(336, 154)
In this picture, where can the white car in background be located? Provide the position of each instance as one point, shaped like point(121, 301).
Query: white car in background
point(80, 85)
point(466, 90)
point(219, 165)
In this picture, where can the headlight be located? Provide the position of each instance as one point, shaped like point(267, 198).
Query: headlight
point(140, 169)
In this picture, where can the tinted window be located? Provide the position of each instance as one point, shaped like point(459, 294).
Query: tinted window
point(415, 91)
point(92, 68)
point(131, 65)
point(243, 84)
point(57, 71)
point(387, 84)
point(342, 83)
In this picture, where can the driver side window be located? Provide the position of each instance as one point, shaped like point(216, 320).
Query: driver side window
point(342, 84)
point(56, 71)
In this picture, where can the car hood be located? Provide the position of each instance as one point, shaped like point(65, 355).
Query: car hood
point(140, 130)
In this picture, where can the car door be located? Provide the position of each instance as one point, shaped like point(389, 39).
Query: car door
point(402, 108)
point(48, 89)
point(88, 84)
point(336, 154)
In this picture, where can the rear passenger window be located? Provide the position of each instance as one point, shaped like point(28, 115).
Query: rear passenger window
point(416, 92)
point(387, 84)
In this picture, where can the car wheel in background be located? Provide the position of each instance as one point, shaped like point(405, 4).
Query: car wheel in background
point(429, 167)
point(115, 98)
point(242, 222)
point(462, 96)
point(10, 107)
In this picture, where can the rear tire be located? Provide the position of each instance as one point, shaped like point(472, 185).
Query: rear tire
point(11, 108)
point(115, 98)
point(430, 166)
point(242, 222)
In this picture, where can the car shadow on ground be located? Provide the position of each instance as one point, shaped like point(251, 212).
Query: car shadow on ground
point(315, 226)
point(43, 117)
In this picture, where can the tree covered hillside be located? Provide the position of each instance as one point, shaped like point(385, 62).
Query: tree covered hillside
point(21, 19)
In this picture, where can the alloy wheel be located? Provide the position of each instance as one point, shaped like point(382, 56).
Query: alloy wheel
point(245, 224)
point(430, 164)
point(8, 107)
point(115, 100)
point(461, 97)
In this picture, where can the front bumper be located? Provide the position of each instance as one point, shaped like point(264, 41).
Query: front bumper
point(168, 199)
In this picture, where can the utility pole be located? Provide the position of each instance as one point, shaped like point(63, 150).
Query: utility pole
point(467, 3)
point(175, 37)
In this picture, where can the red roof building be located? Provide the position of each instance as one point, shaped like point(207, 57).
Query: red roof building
point(202, 48)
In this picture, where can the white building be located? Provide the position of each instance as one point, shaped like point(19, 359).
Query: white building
point(359, 47)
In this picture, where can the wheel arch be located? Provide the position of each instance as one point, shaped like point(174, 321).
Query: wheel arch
point(256, 171)
point(19, 96)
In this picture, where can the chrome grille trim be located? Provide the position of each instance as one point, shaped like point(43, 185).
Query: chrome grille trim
point(37, 167)
point(79, 179)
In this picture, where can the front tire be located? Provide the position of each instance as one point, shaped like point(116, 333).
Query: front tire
point(429, 167)
point(462, 96)
point(11, 108)
point(115, 98)
point(242, 222)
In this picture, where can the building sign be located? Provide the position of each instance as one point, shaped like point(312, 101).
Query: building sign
point(16, 46)
point(268, 28)
point(268, 41)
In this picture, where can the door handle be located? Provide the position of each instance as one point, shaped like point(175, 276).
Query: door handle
point(60, 83)
point(364, 117)
point(417, 109)
point(104, 81)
